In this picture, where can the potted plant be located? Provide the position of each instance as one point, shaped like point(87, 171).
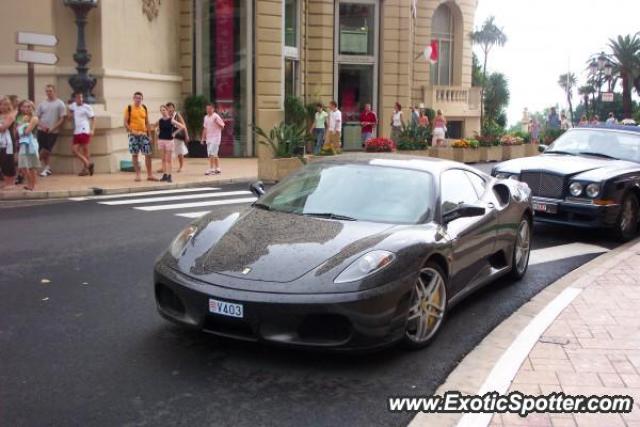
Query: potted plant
point(194, 111)
point(414, 140)
point(512, 147)
point(287, 143)
point(466, 150)
point(380, 145)
point(489, 149)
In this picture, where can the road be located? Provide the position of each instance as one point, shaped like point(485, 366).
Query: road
point(81, 342)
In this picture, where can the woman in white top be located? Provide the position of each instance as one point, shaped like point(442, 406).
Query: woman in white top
point(439, 129)
point(397, 122)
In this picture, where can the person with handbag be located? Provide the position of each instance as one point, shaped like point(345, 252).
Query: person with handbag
point(28, 158)
point(439, 129)
point(181, 137)
point(167, 127)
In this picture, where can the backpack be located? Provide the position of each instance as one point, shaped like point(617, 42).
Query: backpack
point(129, 113)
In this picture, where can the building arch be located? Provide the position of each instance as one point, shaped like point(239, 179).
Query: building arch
point(447, 26)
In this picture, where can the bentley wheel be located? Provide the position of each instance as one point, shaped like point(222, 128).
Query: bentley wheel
point(627, 225)
point(428, 307)
point(521, 249)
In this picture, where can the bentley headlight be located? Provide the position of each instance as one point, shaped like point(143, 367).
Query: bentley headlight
point(515, 177)
point(365, 265)
point(177, 246)
point(592, 190)
point(575, 189)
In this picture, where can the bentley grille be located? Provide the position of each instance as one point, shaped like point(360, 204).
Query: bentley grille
point(544, 184)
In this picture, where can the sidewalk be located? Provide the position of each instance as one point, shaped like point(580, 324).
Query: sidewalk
point(589, 345)
point(233, 170)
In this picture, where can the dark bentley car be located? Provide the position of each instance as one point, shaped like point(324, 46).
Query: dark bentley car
point(355, 252)
point(589, 177)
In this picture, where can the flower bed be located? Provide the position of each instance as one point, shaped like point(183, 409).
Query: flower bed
point(466, 150)
point(512, 147)
point(380, 145)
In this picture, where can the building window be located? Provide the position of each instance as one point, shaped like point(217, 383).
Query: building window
point(291, 74)
point(357, 29)
point(291, 23)
point(291, 47)
point(442, 30)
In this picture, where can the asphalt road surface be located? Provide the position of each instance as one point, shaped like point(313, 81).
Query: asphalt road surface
point(81, 342)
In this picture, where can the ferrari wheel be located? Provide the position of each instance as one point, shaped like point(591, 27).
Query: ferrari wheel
point(627, 224)
point(521, 249)
point(428, 307)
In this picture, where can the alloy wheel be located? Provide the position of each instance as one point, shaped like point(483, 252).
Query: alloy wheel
point(522, 246)
point(427, 306)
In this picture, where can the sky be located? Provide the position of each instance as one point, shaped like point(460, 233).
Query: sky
point(547, 38)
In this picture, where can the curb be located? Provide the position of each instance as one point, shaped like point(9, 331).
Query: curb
point(470, 374)
point(94, 191)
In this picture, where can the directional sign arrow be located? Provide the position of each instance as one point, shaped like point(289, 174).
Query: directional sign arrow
point(31, 56)
point(36, 39)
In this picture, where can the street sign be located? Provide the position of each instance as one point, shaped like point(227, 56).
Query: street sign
point(607, 96)
point(34, 57)
point(36, 39)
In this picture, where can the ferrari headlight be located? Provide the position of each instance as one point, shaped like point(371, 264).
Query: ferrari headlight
point(365, 265)
point(592, 190)
point(177, 246)
point(575, 189)
point(502, 175)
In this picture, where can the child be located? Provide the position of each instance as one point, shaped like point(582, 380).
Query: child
point(28, 160)
point(212, 134)
point(167, 127)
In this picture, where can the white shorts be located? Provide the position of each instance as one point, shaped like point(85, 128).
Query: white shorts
point(180, 148)
point(212, 149)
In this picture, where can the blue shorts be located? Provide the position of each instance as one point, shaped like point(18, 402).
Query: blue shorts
point(139, 144)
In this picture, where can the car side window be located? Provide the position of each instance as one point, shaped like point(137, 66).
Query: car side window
point(478, 183)
point(456, 188)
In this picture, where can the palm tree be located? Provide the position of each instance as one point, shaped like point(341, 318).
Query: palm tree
point(488, 36)
point(626, 63)
point(584, 92)
point(567, 82)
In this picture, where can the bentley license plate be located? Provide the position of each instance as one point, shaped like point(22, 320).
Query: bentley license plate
point(551, 208)
point(226, 308)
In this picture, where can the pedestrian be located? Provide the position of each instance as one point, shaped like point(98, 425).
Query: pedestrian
point(84, 124)
point(534, 130)
point(167, 127)
point(28, 159)
point(319, 127)
point(136, 121)
point(439, 129)
point(397, 122)
point(583, 120)
point(595, 120)
point(181, 137)
point(553, 121)
point(15, 104)
point(611, 120)
point(212, 135)
point(423, 120)
point(368, 119)
point(335, 128)
point(415, 116)
point(51, 115)
point(7, 158)
point(565, 124)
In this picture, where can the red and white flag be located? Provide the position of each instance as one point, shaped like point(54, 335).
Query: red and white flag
point(431, 52)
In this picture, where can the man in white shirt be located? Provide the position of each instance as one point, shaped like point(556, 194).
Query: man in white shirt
point(335, 128)
point(84, 123)
point(611, 120)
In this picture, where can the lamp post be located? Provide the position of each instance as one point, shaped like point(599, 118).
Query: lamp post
point(82, 81)
point(601, 70)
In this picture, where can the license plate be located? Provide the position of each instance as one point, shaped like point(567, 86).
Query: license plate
point(226, 308)
point(545, 207)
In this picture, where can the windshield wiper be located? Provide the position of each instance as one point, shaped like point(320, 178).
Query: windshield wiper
point(606, 156)
point(262, 206)
point(330, 216)
point(559, 152)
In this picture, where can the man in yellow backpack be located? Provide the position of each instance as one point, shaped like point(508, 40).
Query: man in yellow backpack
point(136, 121)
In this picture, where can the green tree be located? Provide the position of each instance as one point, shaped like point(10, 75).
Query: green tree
point(476, 71)
point(626, 63)
point(567, 82)
point(487, 36)
point(496, 98)
point(584, 91)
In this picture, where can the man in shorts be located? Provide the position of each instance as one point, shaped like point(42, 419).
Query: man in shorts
point(84, 124)
point(212, 135)
point(136, 121)
point(51, 114)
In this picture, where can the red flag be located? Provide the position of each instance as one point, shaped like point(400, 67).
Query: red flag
point(431, 52)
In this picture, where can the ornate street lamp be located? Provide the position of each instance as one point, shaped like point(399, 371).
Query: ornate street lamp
point(82, 81)
point(593, 67)
point(602, 60)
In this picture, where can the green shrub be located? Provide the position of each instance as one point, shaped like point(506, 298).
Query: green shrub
point(414, 137)
point(285, 140)
point(195, 108)
point(295, 112)
point(549, 135)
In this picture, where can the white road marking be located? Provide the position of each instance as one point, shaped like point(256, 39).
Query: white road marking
point(554, 253)
point(172, 198)
point(196, 204)
point(144, 193)
point(193, 215)
point(505, 370)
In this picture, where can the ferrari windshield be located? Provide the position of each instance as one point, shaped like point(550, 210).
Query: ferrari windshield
point(355, 192)
point(603, 143)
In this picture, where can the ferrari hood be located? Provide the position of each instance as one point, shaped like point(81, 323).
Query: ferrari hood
point(561, 164)
point(274, 246)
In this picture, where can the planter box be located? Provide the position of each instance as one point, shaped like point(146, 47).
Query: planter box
point(277, 169)
point(490, 154)
point(197, 150)
point(512, 152)
point(466, 155)
point(441, 152)
point(530, 150)
point(420, 153)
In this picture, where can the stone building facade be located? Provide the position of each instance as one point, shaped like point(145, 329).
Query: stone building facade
point(248, 55)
